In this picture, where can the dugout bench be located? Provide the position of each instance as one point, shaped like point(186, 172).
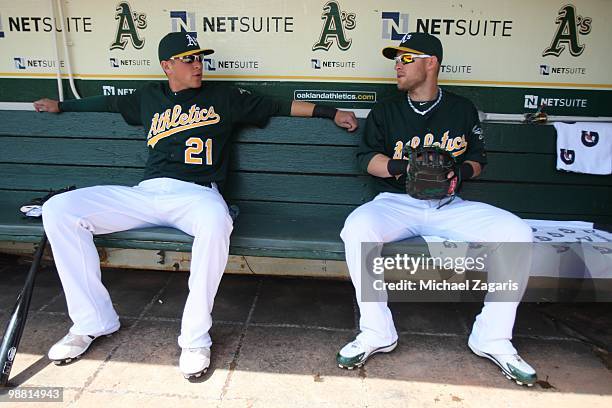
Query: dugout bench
point(295, 182)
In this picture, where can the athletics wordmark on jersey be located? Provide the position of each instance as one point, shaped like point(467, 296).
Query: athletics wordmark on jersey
point(174, 120)
point(455, 145)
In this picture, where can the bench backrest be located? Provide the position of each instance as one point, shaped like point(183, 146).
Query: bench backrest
point(292, 166)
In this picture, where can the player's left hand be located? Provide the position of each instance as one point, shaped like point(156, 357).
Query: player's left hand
point(346, 120)
point(46, 105)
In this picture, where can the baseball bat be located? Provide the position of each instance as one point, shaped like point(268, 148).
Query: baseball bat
point(16, 324)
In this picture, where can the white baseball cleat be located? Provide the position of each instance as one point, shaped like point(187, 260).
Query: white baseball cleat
point(355, 353)
point(71, 347)
point(194, 361)
point(512, 366)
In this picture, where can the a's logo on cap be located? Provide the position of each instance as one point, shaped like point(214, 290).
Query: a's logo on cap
point(192, 41)
point(406, 37)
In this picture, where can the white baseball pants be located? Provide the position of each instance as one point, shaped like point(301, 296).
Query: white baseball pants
point(73, 218)
point(393, 217)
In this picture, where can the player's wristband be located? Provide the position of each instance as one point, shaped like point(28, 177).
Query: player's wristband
point(322, 111)
point(397, 167)
point(466, 170)
point(59, 106)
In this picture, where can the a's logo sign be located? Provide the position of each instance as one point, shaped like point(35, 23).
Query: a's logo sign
point(531, 102)
point(128, 23)
point(335, 22)
point(589, 138)
point(568, 156)
point(183, 21)
point(316, 64)
point(544, 70)
point(569, 25)
point(392, 22)
point(209, 64)
point(19, 62)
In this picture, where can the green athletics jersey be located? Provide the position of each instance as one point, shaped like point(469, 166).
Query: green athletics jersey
point(452, 124)
point(188, 132)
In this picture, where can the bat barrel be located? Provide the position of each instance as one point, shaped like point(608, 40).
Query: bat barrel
point(16, 324)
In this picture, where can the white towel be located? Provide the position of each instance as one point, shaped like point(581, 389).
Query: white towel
point(570, 249)
point(584, 147)
point(561, 249)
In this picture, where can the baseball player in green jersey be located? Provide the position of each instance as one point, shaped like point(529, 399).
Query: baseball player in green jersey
point(188, 125)
point(425, 115)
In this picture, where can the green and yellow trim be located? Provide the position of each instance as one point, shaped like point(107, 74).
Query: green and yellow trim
point(390, 80)
point(204, 51)
point(391, 52)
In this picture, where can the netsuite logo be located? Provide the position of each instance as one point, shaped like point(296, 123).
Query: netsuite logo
point(128, 62)
point(25, 63)
point(183, 21)
point(244, 24)
point(1, 29)
point(322, 64)
point(210, 64)
point(548, 70)
point(534, 102)
point(111, 90)
point(20, 62)
point(531, 102)
point(394, 25)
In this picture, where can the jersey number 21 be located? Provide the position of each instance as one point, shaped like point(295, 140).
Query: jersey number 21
point(195, 146)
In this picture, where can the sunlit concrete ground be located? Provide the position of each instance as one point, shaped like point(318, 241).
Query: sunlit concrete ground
point(275, 341)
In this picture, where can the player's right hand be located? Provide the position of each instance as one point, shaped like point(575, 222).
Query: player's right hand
point(46, 105)
point(346, 120)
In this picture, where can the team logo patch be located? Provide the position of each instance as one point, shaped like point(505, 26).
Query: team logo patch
point(589, 138)
point(477, 130)
point(568, 156)
point(191, 41)
point(406, 37)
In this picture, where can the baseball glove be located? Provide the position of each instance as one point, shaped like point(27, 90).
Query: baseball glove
point(427, 177)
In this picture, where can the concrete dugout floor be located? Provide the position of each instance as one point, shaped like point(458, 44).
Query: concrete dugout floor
point(275, 341)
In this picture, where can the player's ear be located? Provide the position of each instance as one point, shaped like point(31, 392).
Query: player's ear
point(166, 66)
point(433, 64)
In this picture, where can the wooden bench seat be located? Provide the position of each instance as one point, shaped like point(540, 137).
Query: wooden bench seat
point(294, 181)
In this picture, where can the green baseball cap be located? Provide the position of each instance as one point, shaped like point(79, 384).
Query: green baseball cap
point(179, 45)
point(417, 43)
